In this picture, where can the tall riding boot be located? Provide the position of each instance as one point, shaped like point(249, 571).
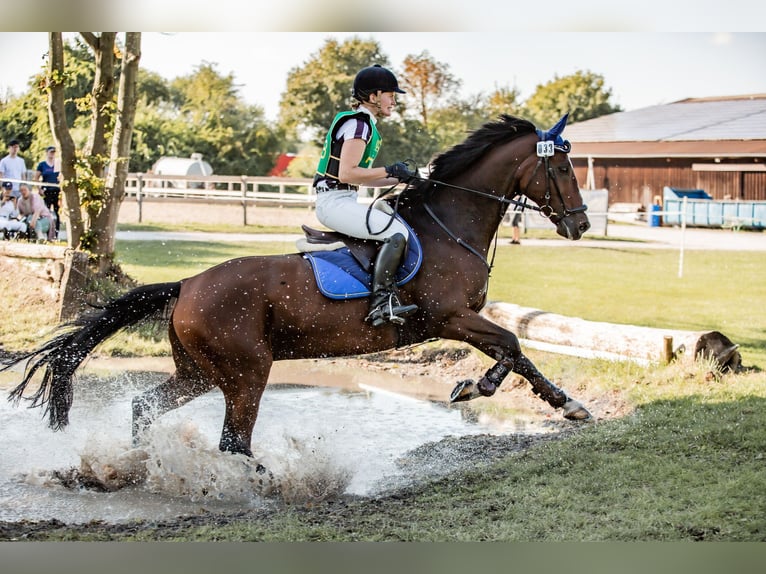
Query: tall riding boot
point(384, 302)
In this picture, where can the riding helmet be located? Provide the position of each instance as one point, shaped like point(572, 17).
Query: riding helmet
point(372, 79)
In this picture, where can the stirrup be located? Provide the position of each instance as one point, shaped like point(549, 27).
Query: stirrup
point(390, 310)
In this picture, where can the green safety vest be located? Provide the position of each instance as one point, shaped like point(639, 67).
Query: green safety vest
point(329, 162)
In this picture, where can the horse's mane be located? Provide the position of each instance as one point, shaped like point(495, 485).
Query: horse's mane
point(462, 156)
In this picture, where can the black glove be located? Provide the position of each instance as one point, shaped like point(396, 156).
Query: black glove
point(401, 171)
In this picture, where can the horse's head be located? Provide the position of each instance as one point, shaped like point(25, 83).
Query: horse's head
point(547, 178)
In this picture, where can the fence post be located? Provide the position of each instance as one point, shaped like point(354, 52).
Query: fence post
point(139, 189)
point(667, 349)
point(244, 200)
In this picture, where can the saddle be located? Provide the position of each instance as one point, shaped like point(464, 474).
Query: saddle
point(363, 250)
point(343, 264)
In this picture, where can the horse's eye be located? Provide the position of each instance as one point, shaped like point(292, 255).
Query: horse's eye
point(564, 168)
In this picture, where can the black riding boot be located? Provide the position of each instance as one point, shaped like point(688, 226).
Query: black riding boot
point(384, 302)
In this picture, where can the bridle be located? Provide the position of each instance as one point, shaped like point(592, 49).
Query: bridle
point(546, 210)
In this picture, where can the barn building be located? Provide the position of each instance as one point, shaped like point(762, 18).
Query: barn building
point(713, 144)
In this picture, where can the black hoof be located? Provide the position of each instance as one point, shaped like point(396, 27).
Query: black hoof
point(464, 391)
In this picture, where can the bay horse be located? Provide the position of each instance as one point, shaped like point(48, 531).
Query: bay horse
point(228, 324)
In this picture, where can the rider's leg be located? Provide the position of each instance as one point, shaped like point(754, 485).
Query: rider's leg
point(384, 302)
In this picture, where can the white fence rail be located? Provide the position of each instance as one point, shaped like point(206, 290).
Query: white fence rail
point(245, 190)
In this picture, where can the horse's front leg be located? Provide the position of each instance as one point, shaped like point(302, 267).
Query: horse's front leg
point(504, 347)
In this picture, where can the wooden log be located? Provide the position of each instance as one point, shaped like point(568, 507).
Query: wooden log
point(645, 344)
point(58, 271)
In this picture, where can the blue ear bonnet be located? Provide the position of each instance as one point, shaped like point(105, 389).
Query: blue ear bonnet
point(554, 135)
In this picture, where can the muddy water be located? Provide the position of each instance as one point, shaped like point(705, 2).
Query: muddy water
point(321, 431)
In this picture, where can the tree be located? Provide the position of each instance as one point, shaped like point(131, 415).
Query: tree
point(203, 113)
point(427, 82)
point(503, 100)
point(92, 203)
point(320, 88)
point(581, 94)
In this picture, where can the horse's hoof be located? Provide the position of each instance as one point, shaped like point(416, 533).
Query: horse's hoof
point(464, 391)
point(574, 411)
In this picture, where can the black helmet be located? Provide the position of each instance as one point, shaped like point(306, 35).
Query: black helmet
point(372, 79)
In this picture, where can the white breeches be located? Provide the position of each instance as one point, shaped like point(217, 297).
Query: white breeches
point(340, 210)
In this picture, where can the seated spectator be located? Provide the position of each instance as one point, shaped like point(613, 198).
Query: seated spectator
point(11, 223)
point(37, 215)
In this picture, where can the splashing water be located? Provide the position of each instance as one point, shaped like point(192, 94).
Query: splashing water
point(314, 443)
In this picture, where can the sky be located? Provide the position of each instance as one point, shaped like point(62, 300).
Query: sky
point(641, 68)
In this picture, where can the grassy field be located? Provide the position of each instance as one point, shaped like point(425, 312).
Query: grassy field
point(686, 463)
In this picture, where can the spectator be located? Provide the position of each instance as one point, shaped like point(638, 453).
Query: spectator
point(47, 173)
point(515, 234)
point(38, 217)
point(13, 166)
point(10, 219)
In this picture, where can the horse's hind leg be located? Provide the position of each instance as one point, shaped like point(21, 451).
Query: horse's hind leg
point(185, 384)
point(242, 393)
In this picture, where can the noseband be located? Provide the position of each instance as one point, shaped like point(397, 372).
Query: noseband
point(547, 210)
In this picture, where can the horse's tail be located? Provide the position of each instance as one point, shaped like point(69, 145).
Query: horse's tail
point(61, 356)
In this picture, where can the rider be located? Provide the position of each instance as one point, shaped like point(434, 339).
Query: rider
point(350, 147)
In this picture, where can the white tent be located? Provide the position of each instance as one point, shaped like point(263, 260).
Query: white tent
point(193, 165)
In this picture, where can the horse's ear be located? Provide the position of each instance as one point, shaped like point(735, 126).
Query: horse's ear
point(555, 132)
point(557, 129)
point(554, 135)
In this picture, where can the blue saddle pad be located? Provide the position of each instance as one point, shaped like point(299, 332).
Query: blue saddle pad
point(339, 275)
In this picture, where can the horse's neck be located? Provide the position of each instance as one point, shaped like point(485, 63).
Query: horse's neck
point(470, 217)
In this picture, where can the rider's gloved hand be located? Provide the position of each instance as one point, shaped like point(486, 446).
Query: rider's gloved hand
point(401, 171)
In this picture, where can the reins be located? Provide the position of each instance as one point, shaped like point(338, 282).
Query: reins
point(546, 210)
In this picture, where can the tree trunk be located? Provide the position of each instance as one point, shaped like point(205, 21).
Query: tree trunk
point(102, 96)
point(64, 141)
point(105, 223)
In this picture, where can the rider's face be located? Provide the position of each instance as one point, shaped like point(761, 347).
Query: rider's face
point(384, 102)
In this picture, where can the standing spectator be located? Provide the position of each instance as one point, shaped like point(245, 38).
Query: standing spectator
point(10, 220)
point(515, 221)
point(47, 173)
point(38, 217)
point(13, 166)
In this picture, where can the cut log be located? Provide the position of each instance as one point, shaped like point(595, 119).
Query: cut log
point(644, 344)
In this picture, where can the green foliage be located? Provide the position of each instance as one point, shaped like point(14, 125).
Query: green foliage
point(503, 100)
point(91, 186)
point(203, 113)
point(582, 94)
point(320, 88)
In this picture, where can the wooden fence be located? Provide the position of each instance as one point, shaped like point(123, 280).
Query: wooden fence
point(243, 190)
